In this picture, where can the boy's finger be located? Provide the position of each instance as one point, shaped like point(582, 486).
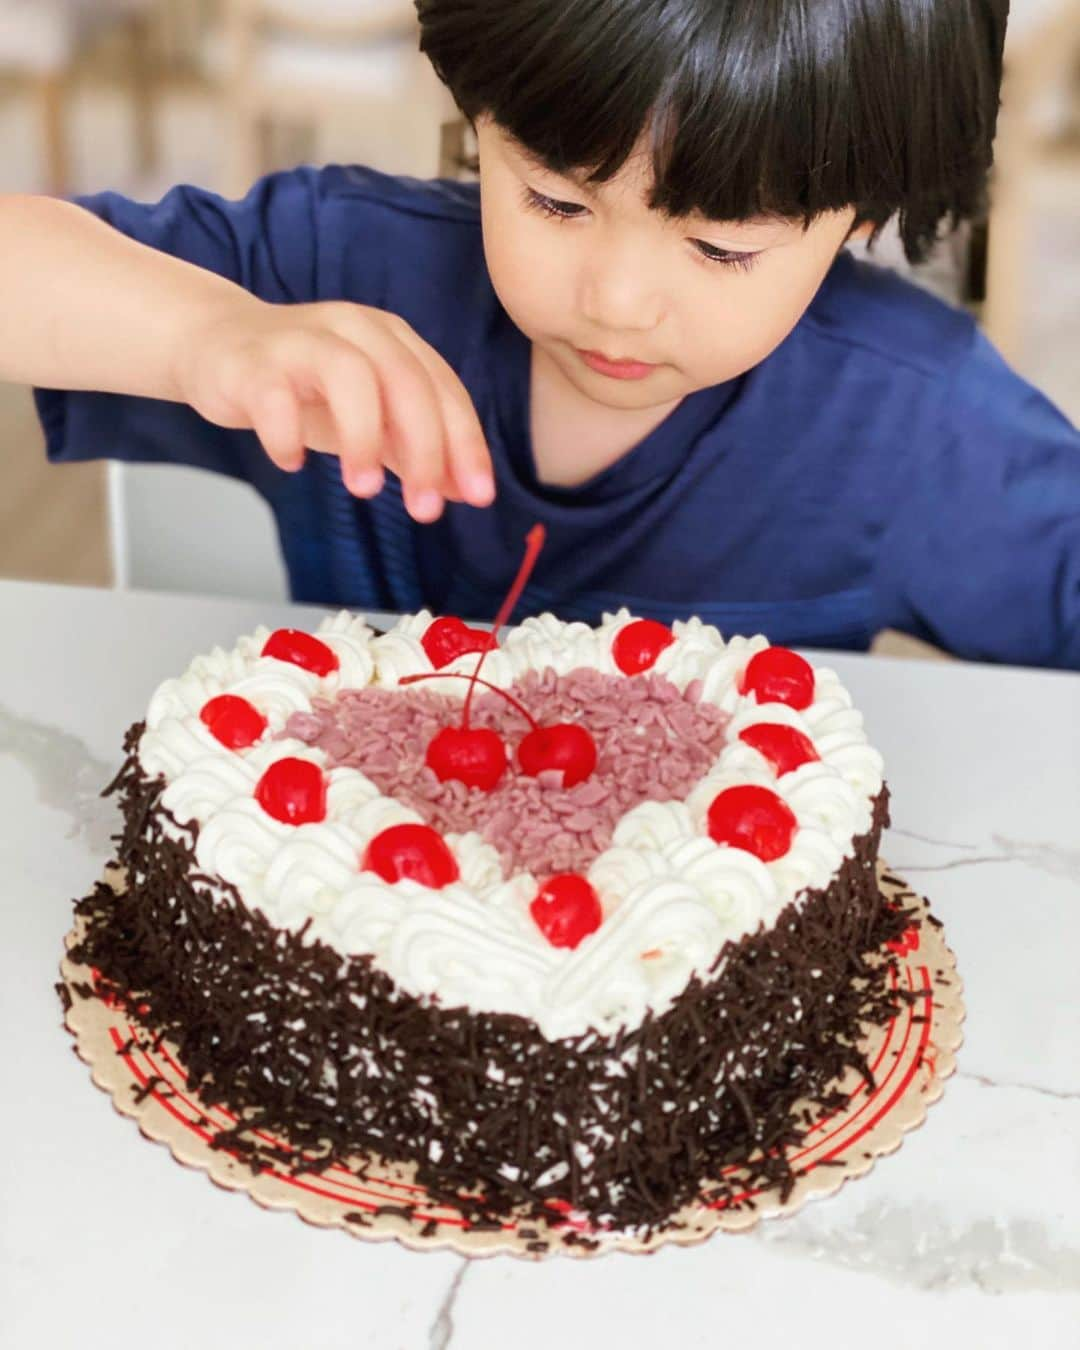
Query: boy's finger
point(446, 488)
point(414, 423)
point(469, 458)
point(274, 413)
point(470, 461)
point(424, 505)
point(348, 383)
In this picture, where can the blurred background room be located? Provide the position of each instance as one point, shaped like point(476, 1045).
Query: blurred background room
point(138, 95)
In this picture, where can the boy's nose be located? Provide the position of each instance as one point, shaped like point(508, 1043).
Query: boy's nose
point(619, 293)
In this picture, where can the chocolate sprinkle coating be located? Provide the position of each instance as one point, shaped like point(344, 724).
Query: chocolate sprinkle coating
point(499, 1122)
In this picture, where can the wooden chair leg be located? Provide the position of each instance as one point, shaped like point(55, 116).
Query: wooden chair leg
point(1008, 240)
point(51, 96)
point(252, 145)
point(452, 159)
point(248, 134)
point(266, 143)
point(144, 102)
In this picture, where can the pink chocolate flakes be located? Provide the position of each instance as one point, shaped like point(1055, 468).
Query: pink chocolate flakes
point(653, 743)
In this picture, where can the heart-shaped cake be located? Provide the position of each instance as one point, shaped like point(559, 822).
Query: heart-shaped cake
point(580, 933)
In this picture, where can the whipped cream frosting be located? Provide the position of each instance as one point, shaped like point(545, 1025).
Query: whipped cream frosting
point(672, 897)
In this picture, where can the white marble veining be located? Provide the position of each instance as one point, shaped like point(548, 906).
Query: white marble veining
point(971, 1231)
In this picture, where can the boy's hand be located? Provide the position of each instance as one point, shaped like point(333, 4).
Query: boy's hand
point(347, 380)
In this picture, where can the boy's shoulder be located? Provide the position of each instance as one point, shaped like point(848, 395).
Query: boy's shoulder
point(880, 314)
point(920, 371)
point(438, 199)
point(407, 245)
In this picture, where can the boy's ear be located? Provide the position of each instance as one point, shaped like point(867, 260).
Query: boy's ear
point(863, 231)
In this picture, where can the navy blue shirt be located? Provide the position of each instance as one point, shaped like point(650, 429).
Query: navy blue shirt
point(882, 468)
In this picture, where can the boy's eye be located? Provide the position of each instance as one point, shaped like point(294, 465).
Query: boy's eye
point(726, 256)
point(551, 206)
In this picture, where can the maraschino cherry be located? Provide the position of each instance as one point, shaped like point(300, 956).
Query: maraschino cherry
point(448, 638)
point(474, 756)
point(752, 818)
point(565, 747)
point(786, 748)
point(779, 675)
point(293, 791)
point(566, 909)
point(412, 852)
point(637, 646)
point(301, 649)
point(233, 721)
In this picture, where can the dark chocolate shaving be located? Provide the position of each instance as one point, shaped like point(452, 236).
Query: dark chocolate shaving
point(153, 1084)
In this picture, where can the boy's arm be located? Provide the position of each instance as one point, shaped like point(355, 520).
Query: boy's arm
point(982, 552)
point(86, 308)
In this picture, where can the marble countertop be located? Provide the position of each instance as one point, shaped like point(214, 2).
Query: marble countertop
point(972, 1229)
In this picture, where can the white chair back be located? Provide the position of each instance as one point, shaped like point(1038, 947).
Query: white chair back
point(175, 529)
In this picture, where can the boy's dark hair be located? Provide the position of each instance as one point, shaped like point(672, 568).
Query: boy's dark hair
point(787, 107)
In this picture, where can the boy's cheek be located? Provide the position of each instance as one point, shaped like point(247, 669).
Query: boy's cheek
point(749, 317)
point(531, 291)
point(505, 266)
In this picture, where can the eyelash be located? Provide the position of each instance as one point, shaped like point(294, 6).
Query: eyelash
point(557, 210)
point(551, 207)
point(725, 257)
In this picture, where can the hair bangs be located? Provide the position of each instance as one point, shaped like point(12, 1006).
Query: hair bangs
point(750, 108)
point(550, 92)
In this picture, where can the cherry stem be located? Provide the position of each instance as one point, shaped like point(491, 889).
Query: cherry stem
point(460, 675)
point(534, 542)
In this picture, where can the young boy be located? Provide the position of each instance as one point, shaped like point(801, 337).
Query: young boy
point(641, 329)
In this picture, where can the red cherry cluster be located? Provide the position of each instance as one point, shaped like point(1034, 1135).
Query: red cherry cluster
point(476, 756)
point(291, 790)
point(294, 792)
point(752, 817)
point(566, 909)
point(238, 724)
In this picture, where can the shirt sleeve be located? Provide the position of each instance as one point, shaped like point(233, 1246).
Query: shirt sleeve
point(981, 553)
point(269, 244)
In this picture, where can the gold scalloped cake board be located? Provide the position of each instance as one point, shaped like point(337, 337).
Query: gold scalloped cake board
point(910, 1058)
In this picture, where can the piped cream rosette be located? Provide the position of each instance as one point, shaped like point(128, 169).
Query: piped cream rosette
point(671, 896)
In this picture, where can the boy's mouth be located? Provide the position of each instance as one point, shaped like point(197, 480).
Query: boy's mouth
point(616, 367)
